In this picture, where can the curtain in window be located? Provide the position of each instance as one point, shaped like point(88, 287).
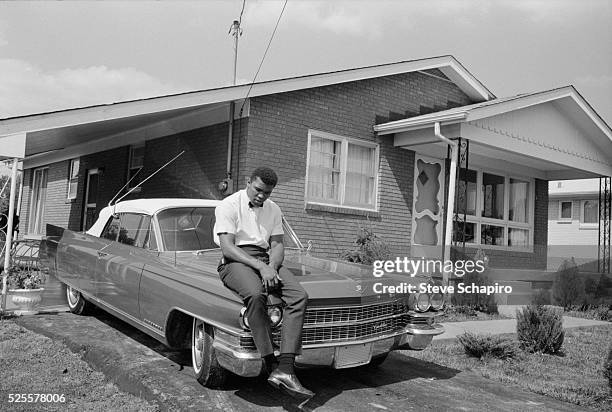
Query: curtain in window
point(518, 237)
point(359, 175)
point(324, 169)
point(518, 200)
point(591, 211)
point(39, 196)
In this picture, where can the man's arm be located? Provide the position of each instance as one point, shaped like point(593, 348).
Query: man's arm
point(277, 251)
point(229, 249)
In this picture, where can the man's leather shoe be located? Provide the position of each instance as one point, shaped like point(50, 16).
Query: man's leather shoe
point(290, 383)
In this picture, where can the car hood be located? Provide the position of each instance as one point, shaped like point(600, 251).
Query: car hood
point(321, 278)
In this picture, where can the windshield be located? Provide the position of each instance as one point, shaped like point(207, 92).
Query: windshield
point(191, 228)
point(187, 228)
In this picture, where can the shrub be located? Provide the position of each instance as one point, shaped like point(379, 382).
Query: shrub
point(539, 329)
point(368, 248)
point(568, 286)
point(608, 368)
point(484, 346)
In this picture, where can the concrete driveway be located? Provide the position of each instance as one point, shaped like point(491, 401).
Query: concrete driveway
point(140, 365)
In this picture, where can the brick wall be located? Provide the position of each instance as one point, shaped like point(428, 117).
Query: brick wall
point(195, 174)
point(278, 135)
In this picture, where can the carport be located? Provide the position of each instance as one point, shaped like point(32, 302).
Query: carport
point(550, 135)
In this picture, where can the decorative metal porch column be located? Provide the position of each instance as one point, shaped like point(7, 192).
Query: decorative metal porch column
point(459, 219)
point(605, 215)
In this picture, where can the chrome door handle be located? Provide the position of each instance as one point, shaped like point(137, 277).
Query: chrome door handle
point(102, 254)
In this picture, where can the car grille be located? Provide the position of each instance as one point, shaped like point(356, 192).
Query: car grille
point(348, 323)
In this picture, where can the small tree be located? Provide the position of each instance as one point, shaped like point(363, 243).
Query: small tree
point(568, 286)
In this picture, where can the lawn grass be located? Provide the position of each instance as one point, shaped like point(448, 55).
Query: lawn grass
point(32, 363)
point(576, 376)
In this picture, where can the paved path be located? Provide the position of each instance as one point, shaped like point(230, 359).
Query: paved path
point(142, 366)
point(453, 329)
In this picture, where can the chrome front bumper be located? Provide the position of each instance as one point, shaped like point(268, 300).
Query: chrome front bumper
point(244, 362)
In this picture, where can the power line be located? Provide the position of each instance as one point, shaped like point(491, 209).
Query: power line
point(264, 56)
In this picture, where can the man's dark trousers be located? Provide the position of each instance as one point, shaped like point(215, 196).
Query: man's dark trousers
point(246, 282)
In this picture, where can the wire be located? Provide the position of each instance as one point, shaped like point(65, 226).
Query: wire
point(241, 11)
point(263, 58)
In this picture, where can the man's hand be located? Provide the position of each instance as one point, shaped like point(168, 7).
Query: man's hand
point(269, 277)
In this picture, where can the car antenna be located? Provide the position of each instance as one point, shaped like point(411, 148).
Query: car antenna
point(139, 184)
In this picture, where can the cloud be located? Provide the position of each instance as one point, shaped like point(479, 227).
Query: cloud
point(27, 89)
point(345, 18)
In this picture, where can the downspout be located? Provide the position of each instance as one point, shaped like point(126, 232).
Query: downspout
point(450, 206)
point(9, 234)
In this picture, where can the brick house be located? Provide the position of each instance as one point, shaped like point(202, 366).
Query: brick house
point(361, 147)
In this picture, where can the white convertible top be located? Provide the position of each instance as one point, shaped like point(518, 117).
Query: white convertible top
point(147, 207)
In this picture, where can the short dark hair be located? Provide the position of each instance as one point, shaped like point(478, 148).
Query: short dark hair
point(267, 175)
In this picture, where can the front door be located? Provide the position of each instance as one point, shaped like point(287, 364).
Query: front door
point(91, 199)
point(427, 207)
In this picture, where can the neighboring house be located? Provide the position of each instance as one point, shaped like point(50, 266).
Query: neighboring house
point(573, 222)
point(352, 148)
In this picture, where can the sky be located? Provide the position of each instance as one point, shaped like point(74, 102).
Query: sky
point(57, 55)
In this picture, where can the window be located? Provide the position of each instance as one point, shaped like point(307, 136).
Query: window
point(39, 198)
point(565, 210)
point(136, 163)
point(341, 171)
point(111, 230)
point(498, 210)
point(187, 228)
point(589, 212)
point(134, 229)
point(73, 179)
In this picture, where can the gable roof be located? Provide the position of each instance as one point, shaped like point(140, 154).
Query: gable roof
point(495, 107)
point(448, 65)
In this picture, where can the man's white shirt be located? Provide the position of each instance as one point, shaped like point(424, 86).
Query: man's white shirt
point(249, 225)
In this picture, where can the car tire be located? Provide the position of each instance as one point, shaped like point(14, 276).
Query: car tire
point(377, 361)
point(76, 302)
point(203, 357)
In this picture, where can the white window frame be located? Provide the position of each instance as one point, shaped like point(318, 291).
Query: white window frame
point(566, 219)
point(71, 167)
point(131, 166)
point(590, 225)
point(343, 164)
point(33, 196)
point(505, 223)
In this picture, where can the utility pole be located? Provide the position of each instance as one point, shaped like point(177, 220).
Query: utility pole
point(226, 186)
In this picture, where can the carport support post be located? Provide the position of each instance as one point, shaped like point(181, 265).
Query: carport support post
point(9, 233)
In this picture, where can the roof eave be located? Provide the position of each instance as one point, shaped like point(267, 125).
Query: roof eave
point(421, 122)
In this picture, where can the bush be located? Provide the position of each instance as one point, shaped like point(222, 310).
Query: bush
point(369, 248)
point(539, 329)
point(485, 346)
point(477, 301)
point(568, 286)
point(608, 368)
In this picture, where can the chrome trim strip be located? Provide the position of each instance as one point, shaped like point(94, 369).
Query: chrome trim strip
point(437, 329)
point(208, 321)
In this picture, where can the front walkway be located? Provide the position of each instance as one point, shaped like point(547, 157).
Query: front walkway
point(453, 329)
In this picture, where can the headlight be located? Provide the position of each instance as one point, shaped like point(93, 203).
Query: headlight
point(244, 321)
point(419, 302)
point(437, 301)
point(275, 313)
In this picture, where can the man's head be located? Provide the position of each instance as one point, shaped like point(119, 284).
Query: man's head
point(260, 185)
